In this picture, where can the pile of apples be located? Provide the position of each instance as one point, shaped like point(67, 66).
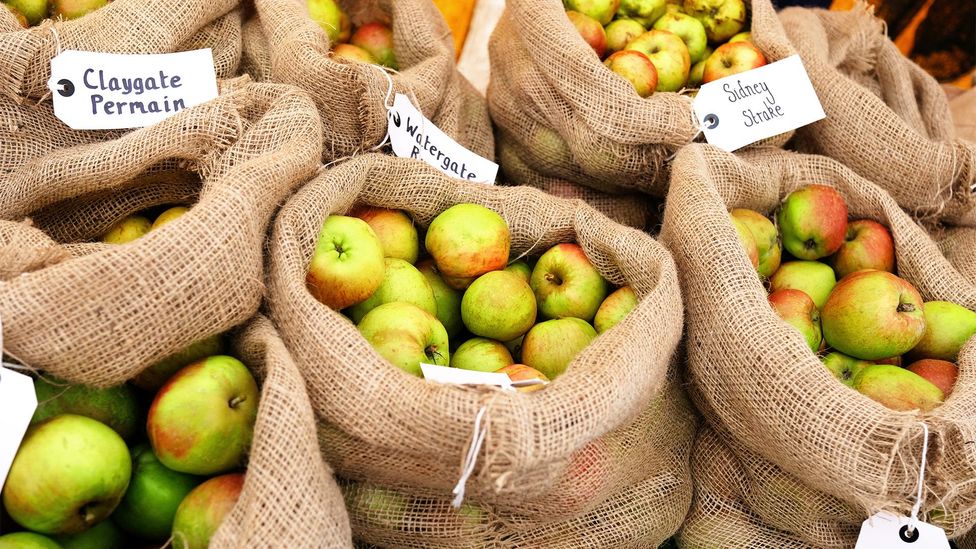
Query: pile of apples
point(137, 225)
point(33, 12)
point(839, 291)
point(468, 305)
point(667, 45)
point(371, 43)
point(95, 470)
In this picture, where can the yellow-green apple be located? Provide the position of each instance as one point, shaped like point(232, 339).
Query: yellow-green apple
point(566, 284)
point(448, 299)
point(722, 19)
point(644, 12)
point(521, 372)
point(155, 491)
point(898, 388)
point(498, 305)
point(747, 240)
point(810, 277)
point(867, 245)
point(732, 58)
point(521, 268)
point(744, 36)
point(696, 74)
point(845, 368)
point(467, 241)
point(621, 32)
point(551, 345)
point(203, 509)
point(377, 506)
point(331, 18)
point(940, 373)
point(614, 308)
point(169, 215)
point(812, 221)
point(401, 282)
point(34, 11)
point(353, 53)
point(27, 540)
point(73, 9)
point(872, 315)
point(201, 422)
point(670, 57)
point(948, 327)
point(68, 475)
point(457, 282)
point(104, 535)
point(406, 335)
point(347, 265)
point(127, 230)
point(377, 39)
point(601, 10)
point(155, 376)
point(769, 250)
point(591, 30)
point(116, 407)
point(636, 68)
point(514, 346)
point(481, 354)
point(796, 308)
point(689, 29)
point(23, 22)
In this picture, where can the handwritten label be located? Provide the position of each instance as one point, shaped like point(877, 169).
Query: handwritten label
point(413, 136)
point(743, 108)
point(102, 91)
point(890, 531)
point(457, 376)
point(17, 404)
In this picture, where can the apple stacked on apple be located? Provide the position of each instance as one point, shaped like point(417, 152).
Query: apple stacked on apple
point(32, 12)
point(658, 45)
point(137, 225)
point(370, 43)
point(468, 304)
point(833, 281)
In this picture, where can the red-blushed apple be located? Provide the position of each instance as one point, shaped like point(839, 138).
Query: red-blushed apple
point(353, 53)
point(155, 491)
point(636, 68)
point(948, 327)
point(73, 9)
point(621, 32)
point(898, 388)
point(394, 229)
point(34, 11)
point(377, 39)
point(796, 308)
point(498, 305)
point(770, 252)
point(810, 277)
point(201, 422)
point(691, 31)
point(27, 540)
point(566, 284)
point(645, 12)
point(155, 376)
point(591, 30)
point(116, 406)
point(551, 345)
point(127, 230)
point(893, 360)
point(521, 268)
point(200, 513)
point(458, 282)
point(467, 241)
point(586, 478)
point(670, 57)
point(601, 10)
point(742, 37)
point(867, 245)
point(347, 265)
point(406, 335)
point(104, 535)
point(722, 19)
point(812, 221)
point(448, 299)
point(872, 315)
point(331, 19)
point(845, 368)
point(169, 215)
point(482, 355)
point(732, 58)
point(68, 475)
point(401, 282)
point(747, 240)
point(521, 372)
point(940, 373)
point(614, 308)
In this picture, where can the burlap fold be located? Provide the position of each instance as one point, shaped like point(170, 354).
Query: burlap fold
point(755, 377)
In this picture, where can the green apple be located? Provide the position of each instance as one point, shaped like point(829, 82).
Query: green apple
point(34, 11)
point(447, 298)
point(747, 240)
point(769, 251)
point(810, 277)
point(27, 540)
point(406, 335)
point(104, 535)
point(467, 241)
point(73, 9)
point(636, 68)
point(481, 354)
point(353, 53)
point(498, 305)
point(169, 215)
point(845, 368)
point(550, 346)
point(697, 72)
point(797, 309)
point(401, 282)
point(940, 373)
point(691, 31)
point(155, 376)
point(812, 221)
point(154, 493)
point(732, 58)
point(601, 10)
point(377, 39)
point(21, 20)
point(201, 422)
point(897, 388)
point(521, 268)
point(127, 230)
point(722, 19)
point(68, 475)
point(947, 328)
point(200, 513)
point(590, 30)
point(347, 265)
point(614, 308)
point(873, 315)
point(566, 284)
point(867, 245)
point(331, 18)
point(622, 32)
point(377, 506)
point(670, 57)
point(742, 37)
point(116, 407)
point(394, 229)
point(644, 12)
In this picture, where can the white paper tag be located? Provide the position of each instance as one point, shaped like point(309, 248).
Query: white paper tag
point(103, 91)
point(413, 136)
point(889, 531)
point(457, 376)
point(743, 108)
point(17, 404)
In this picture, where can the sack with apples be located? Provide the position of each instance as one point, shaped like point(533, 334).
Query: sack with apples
point(887, 119)
point(612, 125)
point(402, 47)
point(124, 300)
point(844, 359)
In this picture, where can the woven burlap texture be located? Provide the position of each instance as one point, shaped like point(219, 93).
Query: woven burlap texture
point(352, 97)
point(887, 119)
point(530, 437)
point(755, 376)
point(105, 315)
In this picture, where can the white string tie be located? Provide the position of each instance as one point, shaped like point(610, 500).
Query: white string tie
point(387, 104)
point(477, 440)
point(913, 520)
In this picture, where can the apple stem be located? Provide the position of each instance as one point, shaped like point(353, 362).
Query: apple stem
point(551, 277)
point(236, 401)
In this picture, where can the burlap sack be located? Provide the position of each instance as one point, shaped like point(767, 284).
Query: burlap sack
point(756, 377)
point(104, 316)
point(887, 119)
point(351, 97)
point(572, 118)
point(423, 430)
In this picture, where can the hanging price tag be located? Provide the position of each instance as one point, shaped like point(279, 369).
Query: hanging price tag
point(17, 404)
point(889, 531)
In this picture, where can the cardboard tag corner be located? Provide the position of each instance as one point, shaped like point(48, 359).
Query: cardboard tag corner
point(890, 531)
point(18, 400)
